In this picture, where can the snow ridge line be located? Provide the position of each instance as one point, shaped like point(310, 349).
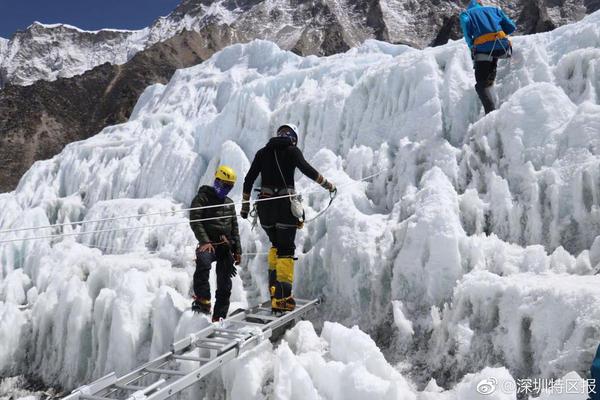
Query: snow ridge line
point(6, 231)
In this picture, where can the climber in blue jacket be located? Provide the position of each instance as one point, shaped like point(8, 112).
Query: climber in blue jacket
point(486, 31)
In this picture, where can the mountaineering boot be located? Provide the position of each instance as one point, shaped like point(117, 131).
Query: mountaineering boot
point(272, 260)
point(284, 304)
point(200, 305)
point(282, 289)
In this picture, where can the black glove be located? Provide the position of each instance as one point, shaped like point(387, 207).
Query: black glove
point(328, 185)
point(245, 209)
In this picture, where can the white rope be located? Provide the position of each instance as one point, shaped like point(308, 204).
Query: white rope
point(145, 251)
point(130, 216)
point(152, 225)
point(115, 229)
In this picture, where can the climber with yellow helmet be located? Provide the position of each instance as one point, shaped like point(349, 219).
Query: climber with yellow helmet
point(218, 240)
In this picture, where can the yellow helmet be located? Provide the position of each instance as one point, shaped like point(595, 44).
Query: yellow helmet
point(226, 174)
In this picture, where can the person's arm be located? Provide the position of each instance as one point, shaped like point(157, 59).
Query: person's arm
point(310, 171)
point(252, 174)
point(304, 166)
point(198, 227)
point(507, 24)
point(464, 25)
point(249, 182)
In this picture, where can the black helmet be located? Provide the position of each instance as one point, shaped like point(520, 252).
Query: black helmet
point(289, 131)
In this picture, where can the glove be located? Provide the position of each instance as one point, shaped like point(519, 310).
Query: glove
point(245, 209)
point(328, 185)
point(237, 259)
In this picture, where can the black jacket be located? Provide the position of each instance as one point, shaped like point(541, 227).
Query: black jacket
point(290, 157)
point(211, 231)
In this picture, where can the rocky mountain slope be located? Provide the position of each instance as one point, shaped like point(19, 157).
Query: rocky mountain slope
point(38, 120)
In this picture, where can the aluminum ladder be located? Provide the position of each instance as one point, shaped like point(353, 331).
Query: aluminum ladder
point(220, 343)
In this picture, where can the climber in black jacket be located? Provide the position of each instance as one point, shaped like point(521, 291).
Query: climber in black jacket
point(218, 240)
point(276, 163)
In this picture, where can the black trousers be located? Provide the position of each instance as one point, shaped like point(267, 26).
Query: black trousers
point(280, 225)
point(222, 256)
point(485, 75)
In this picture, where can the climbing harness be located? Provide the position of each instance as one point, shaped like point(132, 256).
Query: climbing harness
point(498, 36)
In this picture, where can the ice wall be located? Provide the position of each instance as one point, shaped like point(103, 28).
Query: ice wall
point(454, 258)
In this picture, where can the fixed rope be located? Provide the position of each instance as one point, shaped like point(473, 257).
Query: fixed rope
point(58, 235)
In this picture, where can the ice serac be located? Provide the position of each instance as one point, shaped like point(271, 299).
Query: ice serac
point(473, 246)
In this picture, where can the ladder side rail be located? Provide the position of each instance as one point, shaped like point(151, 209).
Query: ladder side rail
point(136, 374)
point(93, 387)
point(110, 383)
point(196, 375)
point(192, 377)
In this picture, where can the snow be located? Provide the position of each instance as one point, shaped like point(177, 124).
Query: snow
point(50, 26)
point(470, 255)
point(55, 51)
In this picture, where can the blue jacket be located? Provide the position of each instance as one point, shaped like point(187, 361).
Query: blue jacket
point(478, 20)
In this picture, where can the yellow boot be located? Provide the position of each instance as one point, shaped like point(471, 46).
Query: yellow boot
point(282, 289)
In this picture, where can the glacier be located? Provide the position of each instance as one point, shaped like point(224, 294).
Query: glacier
point(470, 255)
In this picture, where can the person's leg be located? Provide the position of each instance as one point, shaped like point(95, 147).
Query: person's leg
point(223, 294)
point(200, 282)
point(267, 215)
point(485, 74)
point(286, 235)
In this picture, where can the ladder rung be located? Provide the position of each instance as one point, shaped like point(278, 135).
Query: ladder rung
point(218, 339)
point(133, 388)
point(230, 336)
point(229, 332)
point(264, 317)
point(165, 371)
point(246, 323)
point(191, 358)
point(90, 397)
point(206, 345)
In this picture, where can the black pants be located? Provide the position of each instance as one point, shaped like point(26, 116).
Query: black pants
point(485, 75)
point(280, 225)
point(222, 256)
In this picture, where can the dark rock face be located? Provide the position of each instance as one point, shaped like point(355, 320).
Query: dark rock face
point(37, 121)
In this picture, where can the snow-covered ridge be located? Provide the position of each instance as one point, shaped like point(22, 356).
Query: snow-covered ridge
point(321, 27)
point(67, 26)
point(59, 50)
point(476, 247)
